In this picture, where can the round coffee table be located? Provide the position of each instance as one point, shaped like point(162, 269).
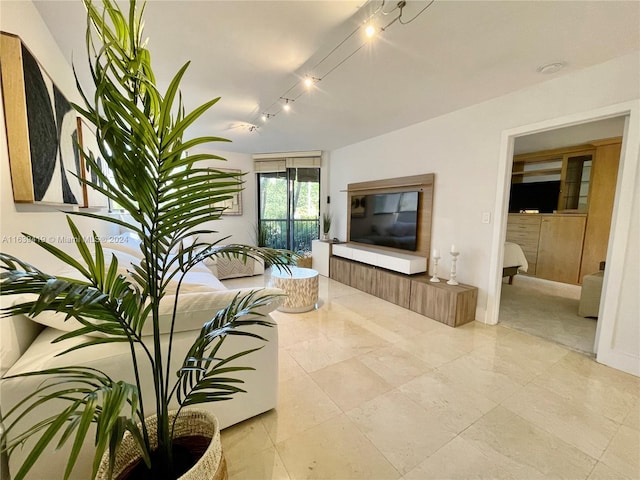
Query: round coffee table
point(300, 285)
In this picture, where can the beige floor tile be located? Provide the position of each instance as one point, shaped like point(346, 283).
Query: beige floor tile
point(633, 417)
point(435, 349)
point(445, 344)
point(406, 320)
point(502, 432)
point(292, 329)
point(319, 353)
point(521, 356)
point(245, 437)
point(477, 375)
point(623, 454)
point(585, 429)
point(578, 364)
point(368, 306)
point(334, 450)
point(287, 367)
point(394, 365)
point(301, 405)
point(409, 376)
point(330, 290)
point(263, 465)
point(592, 392)
point(460, 460)
point(455, 406)
point(391, 334)
point(603, 472)
point(350, 383)
point(402, 430)
point(361, 341)
point(250, 440)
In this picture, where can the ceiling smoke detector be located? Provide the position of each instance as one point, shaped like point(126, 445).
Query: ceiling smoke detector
point(551, 68)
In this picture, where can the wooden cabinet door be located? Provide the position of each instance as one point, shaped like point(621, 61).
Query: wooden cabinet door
point(560, 248)
point(340, 270)
point(601, 198)
point(363, 277)
point(393, 287)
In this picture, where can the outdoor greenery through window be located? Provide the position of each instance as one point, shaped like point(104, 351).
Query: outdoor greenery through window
point(289, 208)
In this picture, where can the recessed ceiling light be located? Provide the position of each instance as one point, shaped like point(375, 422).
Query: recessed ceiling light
point(551, 68)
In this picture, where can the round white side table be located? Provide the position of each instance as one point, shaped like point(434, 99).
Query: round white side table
point(300, 285)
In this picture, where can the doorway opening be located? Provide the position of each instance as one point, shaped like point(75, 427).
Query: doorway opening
point(560, 206)
point(289, 208)
point(614, 333)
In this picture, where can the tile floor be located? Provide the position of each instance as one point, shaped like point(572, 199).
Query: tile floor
point(548, 310)
point(369, 390)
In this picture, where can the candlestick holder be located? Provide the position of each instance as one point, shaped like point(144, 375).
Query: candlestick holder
point(452, 278)
point(435, 278)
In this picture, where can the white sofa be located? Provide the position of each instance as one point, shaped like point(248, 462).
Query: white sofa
point(26, 346)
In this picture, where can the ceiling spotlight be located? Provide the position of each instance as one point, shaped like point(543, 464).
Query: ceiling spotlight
point(287, 106)
point(551, 68)
point(309, 81)
point(264, 117)
point(370, 31)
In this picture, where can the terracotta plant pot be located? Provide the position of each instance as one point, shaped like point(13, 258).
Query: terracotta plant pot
point(196, 430)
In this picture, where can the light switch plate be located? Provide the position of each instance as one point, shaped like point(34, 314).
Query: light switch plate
point(486, 217)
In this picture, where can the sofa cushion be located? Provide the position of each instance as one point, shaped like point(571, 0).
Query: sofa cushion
point(17, 332)
point(196, 305)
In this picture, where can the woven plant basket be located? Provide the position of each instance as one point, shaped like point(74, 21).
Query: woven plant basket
point(304, 262)
point(194, 429)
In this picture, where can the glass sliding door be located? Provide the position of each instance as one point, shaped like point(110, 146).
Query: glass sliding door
point(289, 208)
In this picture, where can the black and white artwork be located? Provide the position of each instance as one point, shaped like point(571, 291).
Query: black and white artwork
point(53, 138)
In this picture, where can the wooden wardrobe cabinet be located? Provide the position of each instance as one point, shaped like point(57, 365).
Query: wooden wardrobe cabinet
point(552, 243)
point(570, 244)
point(560, 247)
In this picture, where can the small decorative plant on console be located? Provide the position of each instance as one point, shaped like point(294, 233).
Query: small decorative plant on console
point(326, 225)
point(167, 197)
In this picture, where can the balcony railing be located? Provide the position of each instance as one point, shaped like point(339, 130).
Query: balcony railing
point(274, 233)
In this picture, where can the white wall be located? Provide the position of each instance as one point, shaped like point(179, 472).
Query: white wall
point(22, 18)
point(463, 149)
point(240, 228)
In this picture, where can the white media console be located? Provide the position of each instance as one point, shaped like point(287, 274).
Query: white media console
point(398, 262)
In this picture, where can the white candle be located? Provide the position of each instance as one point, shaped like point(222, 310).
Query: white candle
point(453, 248)
point(436, 253)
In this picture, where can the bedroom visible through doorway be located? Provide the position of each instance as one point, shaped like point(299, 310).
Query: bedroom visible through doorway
point(562, 236)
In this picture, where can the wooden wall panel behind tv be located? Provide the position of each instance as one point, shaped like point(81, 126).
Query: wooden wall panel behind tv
point(422, 183)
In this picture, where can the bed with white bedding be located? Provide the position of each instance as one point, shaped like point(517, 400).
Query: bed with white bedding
point(514, 261)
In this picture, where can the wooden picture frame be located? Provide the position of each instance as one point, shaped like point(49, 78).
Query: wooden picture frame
point(88, 142)
point(42, 133)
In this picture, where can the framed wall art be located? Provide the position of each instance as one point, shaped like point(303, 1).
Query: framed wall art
point(42, 130)
point(233, 206)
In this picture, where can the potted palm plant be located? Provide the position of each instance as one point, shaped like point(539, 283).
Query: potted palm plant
point(168, 197)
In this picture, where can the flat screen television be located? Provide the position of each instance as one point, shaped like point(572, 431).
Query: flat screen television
point(541, 196)
point(385, 219)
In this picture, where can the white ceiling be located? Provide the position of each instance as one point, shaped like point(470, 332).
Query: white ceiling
point(455, 54)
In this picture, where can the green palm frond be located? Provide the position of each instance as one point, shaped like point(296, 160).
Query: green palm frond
point(91, 397)
point(199, 378)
